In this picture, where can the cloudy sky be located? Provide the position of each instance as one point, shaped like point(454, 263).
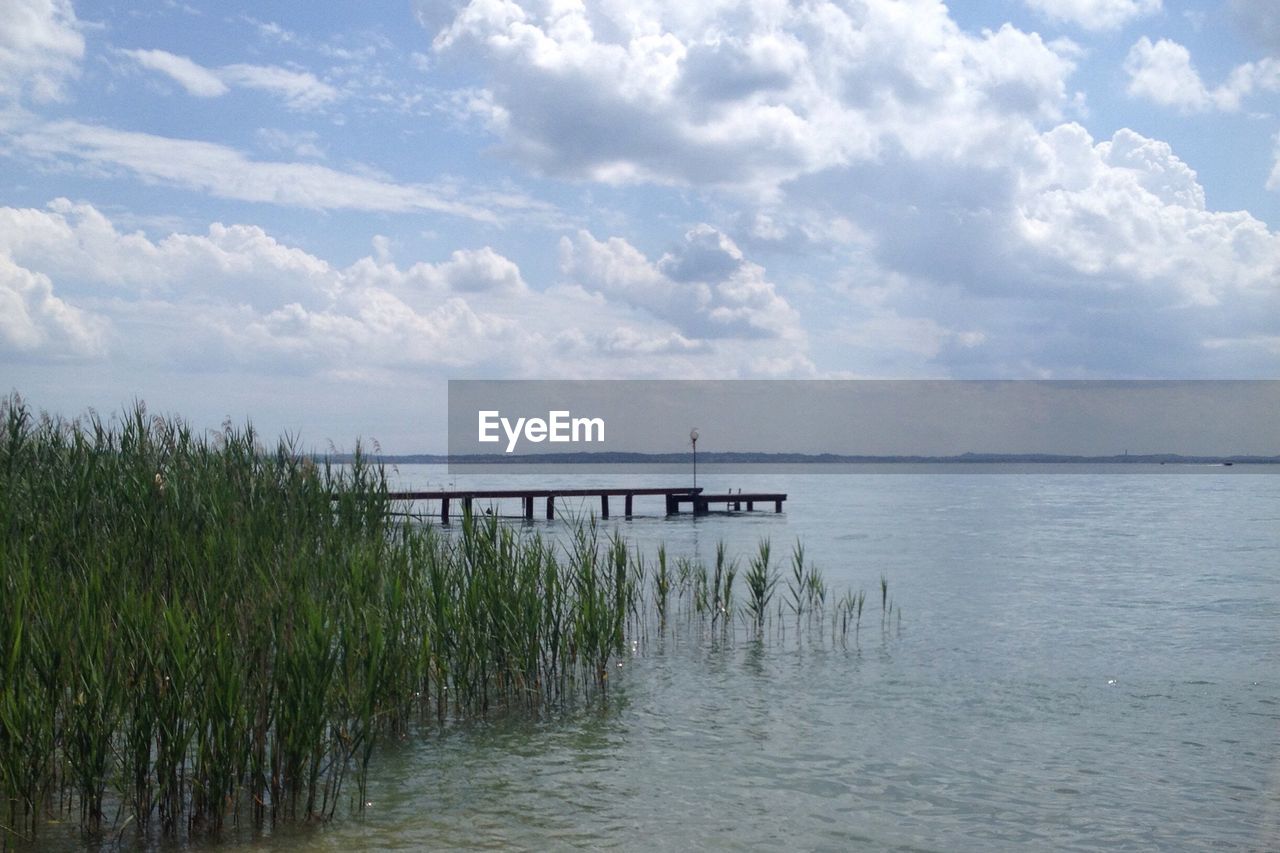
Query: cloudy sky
point(315, 214)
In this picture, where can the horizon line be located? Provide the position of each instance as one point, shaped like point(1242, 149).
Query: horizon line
point(768, 456)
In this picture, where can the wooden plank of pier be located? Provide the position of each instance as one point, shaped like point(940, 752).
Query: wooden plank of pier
point(528, 496)
point(440, 494)
point(674, 496)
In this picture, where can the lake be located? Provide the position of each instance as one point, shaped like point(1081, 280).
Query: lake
point(1084, 660)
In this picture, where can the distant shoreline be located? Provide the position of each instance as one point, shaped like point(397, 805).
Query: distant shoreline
point(759, 458)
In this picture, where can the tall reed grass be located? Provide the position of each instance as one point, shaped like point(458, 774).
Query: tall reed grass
point(195, 630)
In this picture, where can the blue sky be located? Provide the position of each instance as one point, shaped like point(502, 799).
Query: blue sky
point(314, 215)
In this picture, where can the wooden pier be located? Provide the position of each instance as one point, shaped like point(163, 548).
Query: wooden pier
point(701, 503)
point(674, 497)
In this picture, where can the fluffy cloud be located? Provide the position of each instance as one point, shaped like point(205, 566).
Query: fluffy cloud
point(705, 286)
point(1128, 213)
point(468, 271)
point(1098, 258)
point(76, 245)
point(240, 264)
point(1095, 14)
point(480, 271)
point(989, 237)
point(1162, 72)
point(1079, 258)
point(237, 297)
point(35, 323)
point(300, 89)
point(750, 95)
point(40, 47)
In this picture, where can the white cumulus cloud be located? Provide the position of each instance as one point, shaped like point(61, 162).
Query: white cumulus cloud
point(704, 286)
point(749, 95)
point(1080, 258)
point(36, 323)
point(1162, 72)
point(237, 298)
point(40, 48)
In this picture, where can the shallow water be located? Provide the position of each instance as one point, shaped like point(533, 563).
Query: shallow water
point(1084, 661)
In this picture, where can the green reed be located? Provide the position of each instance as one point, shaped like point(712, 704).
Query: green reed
point(722, 599)
point(194, 628)
point(199, 631)
point(761, 578)
point(662, 586)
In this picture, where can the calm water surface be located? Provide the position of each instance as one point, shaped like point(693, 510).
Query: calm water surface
point(1085, 661)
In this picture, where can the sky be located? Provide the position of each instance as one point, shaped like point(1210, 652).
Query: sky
point(315, 215)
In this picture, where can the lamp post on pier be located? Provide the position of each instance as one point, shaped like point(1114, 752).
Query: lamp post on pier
point(693, 437)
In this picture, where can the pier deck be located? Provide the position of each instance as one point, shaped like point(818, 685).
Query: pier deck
point(701, 503)
point(674, 496)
